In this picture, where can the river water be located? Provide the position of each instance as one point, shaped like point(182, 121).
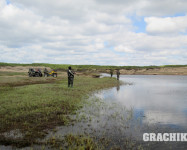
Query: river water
point(158, 101)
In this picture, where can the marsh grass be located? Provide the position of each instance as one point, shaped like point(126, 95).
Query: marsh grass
point(13, 81)
point(33, 109)
point(99, 125)
point(74, 142)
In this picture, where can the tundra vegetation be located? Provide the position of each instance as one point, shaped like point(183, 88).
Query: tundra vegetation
point(32, 106)
point(90, 67)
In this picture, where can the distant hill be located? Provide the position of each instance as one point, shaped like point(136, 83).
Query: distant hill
point(89, 67)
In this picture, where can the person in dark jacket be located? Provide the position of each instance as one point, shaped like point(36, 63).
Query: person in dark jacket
point(111, 73)
point(118, 73)
point(70, 77)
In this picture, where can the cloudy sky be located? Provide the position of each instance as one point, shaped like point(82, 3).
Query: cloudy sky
point(100, 32)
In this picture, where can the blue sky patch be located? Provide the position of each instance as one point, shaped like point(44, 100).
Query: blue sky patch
point(7, 2)
point(139, 24)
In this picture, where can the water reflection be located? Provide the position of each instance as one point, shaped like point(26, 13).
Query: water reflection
point(118, 87)
point(161, 99)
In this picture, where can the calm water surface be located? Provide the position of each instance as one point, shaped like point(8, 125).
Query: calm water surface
point(159, 99)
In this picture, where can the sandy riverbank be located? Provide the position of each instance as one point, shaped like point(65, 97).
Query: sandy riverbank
point(155, 71)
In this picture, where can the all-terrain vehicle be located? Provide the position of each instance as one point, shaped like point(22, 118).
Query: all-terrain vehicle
point(35, 73)
point(53, 73)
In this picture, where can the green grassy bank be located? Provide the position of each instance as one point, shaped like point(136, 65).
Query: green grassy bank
point(28, 110)
point(88, 67)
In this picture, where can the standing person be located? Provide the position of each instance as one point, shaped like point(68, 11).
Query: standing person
point(111, 72)
point(118, 73)
point(70, 77)
point(46, 72)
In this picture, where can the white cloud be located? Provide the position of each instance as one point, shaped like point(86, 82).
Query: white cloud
point(121, 48)
point(168, 25)
point(91, 32)
point(160, 7)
